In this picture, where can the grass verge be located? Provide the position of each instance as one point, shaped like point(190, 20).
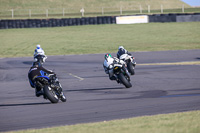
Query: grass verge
point(90, 5)
point(92, 39)
point(184, 122)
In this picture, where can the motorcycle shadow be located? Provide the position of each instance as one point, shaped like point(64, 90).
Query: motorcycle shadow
point(23, 104)
point(28, 62)
point(96, 89)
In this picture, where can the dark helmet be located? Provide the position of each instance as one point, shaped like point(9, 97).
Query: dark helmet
point(36, 64)
point(120, 47)
point(108, 56)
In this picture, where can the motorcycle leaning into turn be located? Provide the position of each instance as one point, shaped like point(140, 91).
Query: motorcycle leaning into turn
point(52, 89)
point(122, 74)
point(130, 62)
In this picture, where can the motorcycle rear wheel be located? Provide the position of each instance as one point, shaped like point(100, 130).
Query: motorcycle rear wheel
point(50, 94)
point(124, 81)
point(131, 68)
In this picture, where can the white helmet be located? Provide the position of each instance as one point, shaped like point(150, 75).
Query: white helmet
point(38, 46)
point(120, 47)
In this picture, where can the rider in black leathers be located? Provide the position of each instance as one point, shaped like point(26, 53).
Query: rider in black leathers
point(35, 71)
point(121, 51)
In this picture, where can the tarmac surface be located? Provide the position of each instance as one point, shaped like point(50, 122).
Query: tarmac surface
point(92, 97)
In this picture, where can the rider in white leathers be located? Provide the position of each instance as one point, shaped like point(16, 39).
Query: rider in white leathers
point(108, 65)
point(39, 51)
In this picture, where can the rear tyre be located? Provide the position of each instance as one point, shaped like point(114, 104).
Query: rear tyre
point(40, 61)
point(124, 81)
point(131, 68)
point(50, 94)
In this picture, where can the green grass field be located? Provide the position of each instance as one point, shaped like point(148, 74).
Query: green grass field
point(93, 39)
point(185, 122)
point(90, 4)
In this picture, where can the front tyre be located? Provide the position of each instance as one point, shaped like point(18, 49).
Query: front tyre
point(50, 94)
point(124, 81)
point(131, 68)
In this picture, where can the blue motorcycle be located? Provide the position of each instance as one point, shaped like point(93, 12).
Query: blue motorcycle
point(51, 87)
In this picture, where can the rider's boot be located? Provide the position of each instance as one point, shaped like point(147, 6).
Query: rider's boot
point(38, 92)
point(117, 80)
point(114, 78)
point(111, 75)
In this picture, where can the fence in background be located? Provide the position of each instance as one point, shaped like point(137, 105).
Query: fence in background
point(84, 12)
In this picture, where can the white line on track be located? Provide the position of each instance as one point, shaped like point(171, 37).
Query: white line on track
point(80, 79)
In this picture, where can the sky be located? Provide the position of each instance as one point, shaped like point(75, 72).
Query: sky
point(192, 2)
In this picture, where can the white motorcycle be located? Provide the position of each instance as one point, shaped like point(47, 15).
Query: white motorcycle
point(40, 58)
point(122, 74)
point(130, 62)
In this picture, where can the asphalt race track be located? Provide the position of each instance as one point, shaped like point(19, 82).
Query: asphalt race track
point(92, 97)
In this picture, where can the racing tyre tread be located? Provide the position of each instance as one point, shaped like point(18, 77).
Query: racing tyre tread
point(50, 95)
point(131, 68)
point(124, 81)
